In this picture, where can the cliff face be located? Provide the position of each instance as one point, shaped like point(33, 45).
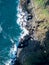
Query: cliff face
point(39, 9)
point(42, 13)
point(36, 53)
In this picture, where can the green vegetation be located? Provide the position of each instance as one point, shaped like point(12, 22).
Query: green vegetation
point(42, 12)
point(41, 56)
point(41, 6)
point(41, 3)
point(33, 59)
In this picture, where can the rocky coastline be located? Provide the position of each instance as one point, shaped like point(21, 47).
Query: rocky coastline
point(25, 42)
point(29, 45)
point(28, 39)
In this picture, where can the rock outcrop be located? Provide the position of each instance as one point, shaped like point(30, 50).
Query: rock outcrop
point(32, 43)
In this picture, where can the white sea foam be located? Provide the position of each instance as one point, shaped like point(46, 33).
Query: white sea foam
point(8, 62)
point(13, 51)
point(22, 22)
point(12, 55)
point(25, 31)
point(12, 40)
point(0, 29)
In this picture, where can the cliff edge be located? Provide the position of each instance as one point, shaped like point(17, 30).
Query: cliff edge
point(37, 49)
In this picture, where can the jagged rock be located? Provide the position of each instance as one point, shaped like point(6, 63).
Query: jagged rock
point(24, 42)
point(17, 62)
point(28, 1)
point(29, 16)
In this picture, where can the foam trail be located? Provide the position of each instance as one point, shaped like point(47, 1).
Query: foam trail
point(0, 29)
point(22, 19)
point(12, 52)
point(8, 62)
point(24, 33)
point(11, 40)
point(22, 22)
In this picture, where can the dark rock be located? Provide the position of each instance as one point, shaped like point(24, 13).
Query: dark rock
point(41, 21)
point(29, 17)
point(38, 25)
point(31, 32)
point(24, 43)
point(17, 62)
point(28, 1)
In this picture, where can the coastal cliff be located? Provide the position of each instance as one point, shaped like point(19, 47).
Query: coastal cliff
point(35, 49)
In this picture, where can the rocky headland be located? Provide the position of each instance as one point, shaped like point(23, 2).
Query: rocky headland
point(32, 49)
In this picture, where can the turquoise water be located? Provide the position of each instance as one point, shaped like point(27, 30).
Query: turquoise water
point(9, 29)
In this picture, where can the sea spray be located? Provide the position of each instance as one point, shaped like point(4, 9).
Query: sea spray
point(12, 53)
point(21, 21)
point(0, 29)
point(13, 49)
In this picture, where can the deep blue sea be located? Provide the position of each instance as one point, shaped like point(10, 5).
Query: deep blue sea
point(9, 29)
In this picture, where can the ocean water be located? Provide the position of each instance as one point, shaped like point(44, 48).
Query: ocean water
point(9, 29)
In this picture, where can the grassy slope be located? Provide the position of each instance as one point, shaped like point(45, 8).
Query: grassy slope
point(41, 7)
point(42, 12)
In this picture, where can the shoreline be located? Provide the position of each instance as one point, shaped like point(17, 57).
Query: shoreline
point(25, 17)
point(22, 18)
point(22, 22)
point(28, 31)
point(31, 39)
